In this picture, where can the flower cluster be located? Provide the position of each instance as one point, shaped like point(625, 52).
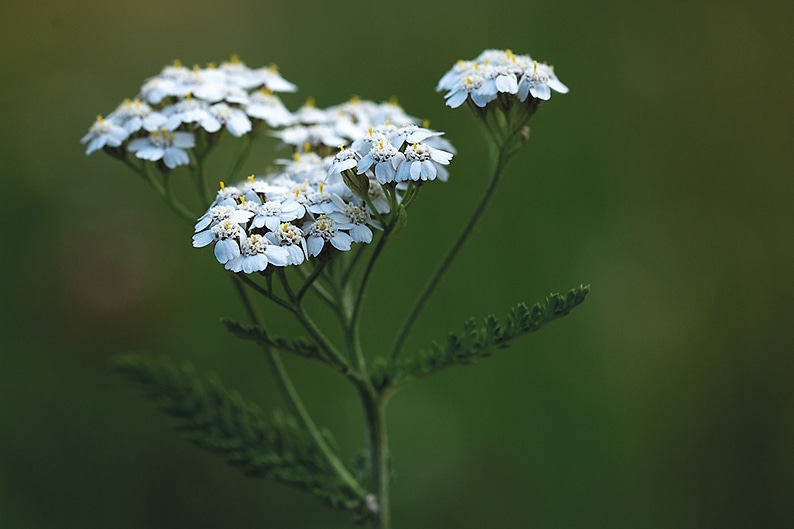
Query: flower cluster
point(284, 218)
point(392, 154)
point(159, 124)
point(320, 204)
point(340, 124)
point(497, 71)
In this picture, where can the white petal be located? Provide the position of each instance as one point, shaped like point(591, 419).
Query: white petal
point(235, 265)
point(150, 153)
point(174, 157)
point(341, 241)
point(416, 170)
point(456, 99)
point(315, 245)
point(296, 255)
point(203, 239)
point(361, 233)
point(278, 256)
point(226, 250)
point(254, 263)
point(428, 170)
point(184, 140)
point(540, 91)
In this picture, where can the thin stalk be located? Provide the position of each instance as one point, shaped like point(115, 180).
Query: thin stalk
point(245, 149)
point(165, 193)
point(320, 290)
point(502, 156)
point(310, 281)
point(199, 180)
point(293, 400)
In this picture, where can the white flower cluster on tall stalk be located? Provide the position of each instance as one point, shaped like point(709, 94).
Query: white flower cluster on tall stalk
point(496, 72)
point(160, 123)
point(318, 202)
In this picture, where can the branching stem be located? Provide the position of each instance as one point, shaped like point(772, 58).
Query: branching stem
point(503, 154)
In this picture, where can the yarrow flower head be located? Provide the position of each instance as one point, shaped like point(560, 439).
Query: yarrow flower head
point(187, 101)
point(496, 72)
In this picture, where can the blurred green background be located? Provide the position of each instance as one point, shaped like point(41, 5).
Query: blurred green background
point(663, 179)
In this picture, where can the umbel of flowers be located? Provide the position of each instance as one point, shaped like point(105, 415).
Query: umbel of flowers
point(161, 122)
point(495, 72)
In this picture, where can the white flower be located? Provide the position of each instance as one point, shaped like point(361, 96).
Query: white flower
point(217, 214)
point(234, 119)
point(290, 238)
point(273, 81)
point(323, 230)
point(104, 132)
point(538, 81)
point(318, 200)
point(208, 84)
point(343, 160)
point(505, 78)
point(386, 159)
point(412, 134)
point(423, 163)
point(262, 104)
point(131, 114)
point(169, 83)
point(355, 213)
point(313, 135)
point(274, 212)
point(473, 86)
point(453, 77)
point(166, 145)
point(227, 237)
point(256, 253)
point(309, 114)
point(191, 110)
point(227, 196)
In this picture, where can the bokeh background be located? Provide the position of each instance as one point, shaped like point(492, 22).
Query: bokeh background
point(663, 179)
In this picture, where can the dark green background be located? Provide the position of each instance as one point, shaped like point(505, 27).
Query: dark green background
point(663, 179)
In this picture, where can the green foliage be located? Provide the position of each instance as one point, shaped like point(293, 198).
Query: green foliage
point(220, 421)
point(478, 341)
point(299, 347)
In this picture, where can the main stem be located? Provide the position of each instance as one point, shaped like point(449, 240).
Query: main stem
point(375, 411)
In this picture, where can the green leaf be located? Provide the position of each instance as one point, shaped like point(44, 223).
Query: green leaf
point(477, 340)
point(221, 421)
point(299, 347)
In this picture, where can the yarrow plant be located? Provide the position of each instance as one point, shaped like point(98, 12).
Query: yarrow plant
point(314, 225)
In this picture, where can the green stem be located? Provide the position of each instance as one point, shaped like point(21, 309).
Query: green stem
point(245, 149)
point(199, 179)
point(165, 194)
point(332, 354)
point(502, 156)
point(375, 412)
point(320, 290)
point(293, 400)
point(310, 281)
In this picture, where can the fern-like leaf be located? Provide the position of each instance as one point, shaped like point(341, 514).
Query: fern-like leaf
point(478, 341)
point(221, 421)
point(259, 335)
